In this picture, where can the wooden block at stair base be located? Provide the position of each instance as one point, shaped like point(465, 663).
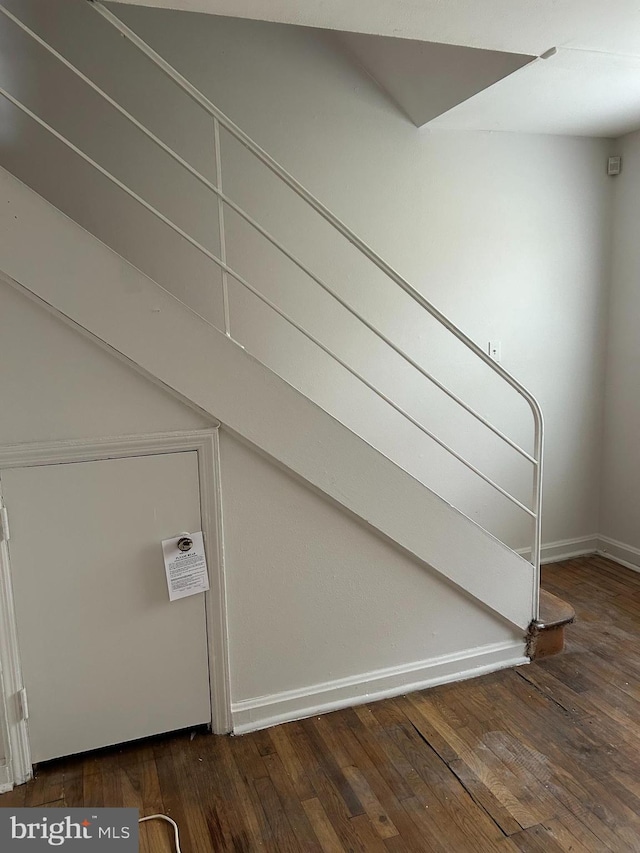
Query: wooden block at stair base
point(554, 611)
point(546, 634)
point(545, 642)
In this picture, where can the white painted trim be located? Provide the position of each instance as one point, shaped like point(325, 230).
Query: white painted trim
point(596, 543)
point(206, 444)
point(15, 735)
point(111, 447)
point(564, 549)
point(216, 597)
point(252, 714)
point(626, 555)
point(603, 546)
point(6, 778)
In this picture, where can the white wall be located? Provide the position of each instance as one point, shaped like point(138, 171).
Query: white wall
point(315, 596)
point(56, 384)
point(621, 456)
point(506, 234)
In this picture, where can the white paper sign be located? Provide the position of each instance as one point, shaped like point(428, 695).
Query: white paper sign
point(186, 570)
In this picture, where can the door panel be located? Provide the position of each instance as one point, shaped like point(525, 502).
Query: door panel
point(106, 658)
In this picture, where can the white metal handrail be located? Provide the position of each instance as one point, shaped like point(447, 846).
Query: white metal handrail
point(241, 280)
point(353, 238)
point(222, 120)
point(224, 199)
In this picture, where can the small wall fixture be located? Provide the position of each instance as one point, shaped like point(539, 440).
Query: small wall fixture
point(614, 165)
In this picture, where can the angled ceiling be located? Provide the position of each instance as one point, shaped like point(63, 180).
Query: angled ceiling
point(589, 87)
point(427, 79)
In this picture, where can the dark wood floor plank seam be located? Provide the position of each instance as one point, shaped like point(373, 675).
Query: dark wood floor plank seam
point(522, 673)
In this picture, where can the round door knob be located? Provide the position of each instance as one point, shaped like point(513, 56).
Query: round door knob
point(185, 543)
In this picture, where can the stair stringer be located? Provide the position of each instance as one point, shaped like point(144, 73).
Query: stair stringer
point(86, 283)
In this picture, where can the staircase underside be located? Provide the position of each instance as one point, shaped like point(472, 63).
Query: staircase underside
point(53, 260)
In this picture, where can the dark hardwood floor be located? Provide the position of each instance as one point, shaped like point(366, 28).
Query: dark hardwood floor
point(542, 758)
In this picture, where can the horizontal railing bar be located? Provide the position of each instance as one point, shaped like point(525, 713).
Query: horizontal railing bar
point(273, 240)
point(209, 107)
point(169, 223)
point(320, 208)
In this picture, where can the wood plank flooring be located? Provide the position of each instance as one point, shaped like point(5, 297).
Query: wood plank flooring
point(542, 758)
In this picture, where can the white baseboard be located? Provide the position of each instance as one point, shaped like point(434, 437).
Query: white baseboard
point(626, 555)
point(604, 546)
point(6, 778)
point(565, 549)
point(252, 714)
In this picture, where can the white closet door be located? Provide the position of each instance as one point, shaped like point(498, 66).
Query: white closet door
point(106, 657)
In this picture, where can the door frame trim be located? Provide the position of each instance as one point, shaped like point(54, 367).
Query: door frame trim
point(207, 445)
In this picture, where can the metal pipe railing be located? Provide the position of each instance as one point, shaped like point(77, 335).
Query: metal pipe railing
point(315, 203)
point(224, 199)
point(241, 280)
point(353, 238)
point(221, 120)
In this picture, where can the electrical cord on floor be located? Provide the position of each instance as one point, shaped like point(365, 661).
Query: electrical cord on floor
point(169, 820)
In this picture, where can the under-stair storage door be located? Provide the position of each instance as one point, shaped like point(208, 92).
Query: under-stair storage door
point(106, 657)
